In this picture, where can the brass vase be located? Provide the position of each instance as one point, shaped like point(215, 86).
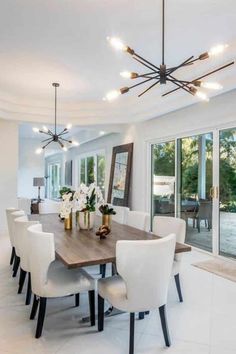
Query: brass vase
point(106, 220)
point(68, 222)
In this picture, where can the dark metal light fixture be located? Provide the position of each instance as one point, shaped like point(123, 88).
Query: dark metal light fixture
point(163, 74)
point(55, 137)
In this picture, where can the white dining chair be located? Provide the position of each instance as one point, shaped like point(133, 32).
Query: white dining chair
point(48, 281)
point(24, 204)
point(121, 214)
point(164, 225)
point(12, 217)
point(121, 218)
point(22, 245)
point(144, 269)
point(138, 219)
point(9, 224)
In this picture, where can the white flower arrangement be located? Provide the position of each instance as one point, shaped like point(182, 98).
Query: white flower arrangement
point(66, 205)
point(86, 198)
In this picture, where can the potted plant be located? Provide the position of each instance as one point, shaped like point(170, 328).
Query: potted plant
point(64, 190)
point(86, 199)
point(107, 213)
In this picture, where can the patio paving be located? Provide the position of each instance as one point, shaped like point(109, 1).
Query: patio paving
point(203, 239)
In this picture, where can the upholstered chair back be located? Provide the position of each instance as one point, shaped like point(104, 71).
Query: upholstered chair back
point(146, 266)
point(42, 254)
point(12, 216)
point(138, 219)
point(9, 211)
point(22, 241)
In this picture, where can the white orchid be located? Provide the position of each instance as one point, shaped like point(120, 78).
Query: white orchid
point(87, 197)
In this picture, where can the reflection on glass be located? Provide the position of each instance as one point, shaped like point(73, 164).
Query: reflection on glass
point(163, 179)
point(90, 170)
point(54, 180)
point(120, 170)
point(101, 173)
point(82, 171)
point(228, 192)
point(194, 188)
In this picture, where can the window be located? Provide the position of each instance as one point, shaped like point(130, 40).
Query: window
point(92, 169)
point(54, 180)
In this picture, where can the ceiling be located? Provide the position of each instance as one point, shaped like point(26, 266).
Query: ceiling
point(44, 41)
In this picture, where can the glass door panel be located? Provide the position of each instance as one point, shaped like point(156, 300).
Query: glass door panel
point(163, 179)
point(227, 198)
point(195, 166)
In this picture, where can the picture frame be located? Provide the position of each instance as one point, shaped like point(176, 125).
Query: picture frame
point(120, 175)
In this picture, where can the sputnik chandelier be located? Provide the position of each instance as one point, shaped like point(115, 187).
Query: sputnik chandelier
point(163, 74)
point(54, 136)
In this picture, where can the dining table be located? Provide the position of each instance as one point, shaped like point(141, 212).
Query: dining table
point(81, 248)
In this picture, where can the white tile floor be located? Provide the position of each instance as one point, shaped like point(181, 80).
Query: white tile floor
point(204, 324)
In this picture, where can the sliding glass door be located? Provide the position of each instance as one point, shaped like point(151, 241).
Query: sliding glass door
point(163, 179)
point(227, 196)
point(194, 186)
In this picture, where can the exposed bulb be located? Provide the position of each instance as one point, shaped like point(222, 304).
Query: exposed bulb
point(211, 85)
point(101, 133)
point(117, 43)
point(35, 130)
point(217, 49)
point(129, 75)
point(112, 95)
point(75, 143)
point(69, 126)
point(64, 148)
point(202, 96)
point(38, 151)
point(45, 129)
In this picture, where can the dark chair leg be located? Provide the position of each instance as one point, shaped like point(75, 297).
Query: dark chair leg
point(29, 291)
point(16, 266)
point(12, 255)
point(162, 311)
point(100, 313)
point(178, 287)
point(141, 315)
point(92, 306)
point(103, 270)
point(21, 280)
point(34, 308)
point(77, 298)
point(41, 316)
point(131, 334)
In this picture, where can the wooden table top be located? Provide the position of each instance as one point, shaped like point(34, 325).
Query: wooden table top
point(80, 248)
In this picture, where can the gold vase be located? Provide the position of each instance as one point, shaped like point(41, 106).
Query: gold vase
point(106, 220)
point(68, 222)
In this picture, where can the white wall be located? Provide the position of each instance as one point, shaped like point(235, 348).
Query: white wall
point(8, 168)
point(30, 166)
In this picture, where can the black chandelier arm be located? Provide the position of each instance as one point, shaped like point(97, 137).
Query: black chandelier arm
point(141, 62)
point(46, 139)
point(146, 61)
point(60, 143)
point(180, 86)
point(179, 81)
point(171, 70)
point(143, 82)
point(63, 133)
point(47, 144)
point(68, 141)
point(147, 75)
point(43, 132)
point(201, 77)
point(149, 88)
